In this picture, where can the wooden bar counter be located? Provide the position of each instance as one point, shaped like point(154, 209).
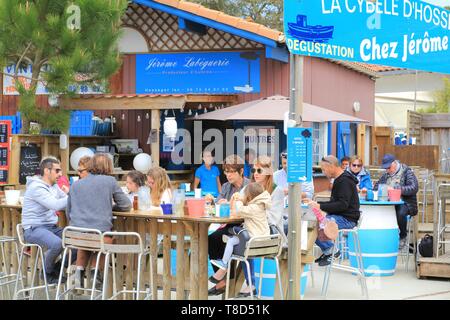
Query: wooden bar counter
point(191, 274)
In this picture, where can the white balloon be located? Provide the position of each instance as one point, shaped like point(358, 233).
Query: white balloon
point(142, 162)
point(77, 154)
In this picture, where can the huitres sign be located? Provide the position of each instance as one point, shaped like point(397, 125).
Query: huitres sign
point(402, 33)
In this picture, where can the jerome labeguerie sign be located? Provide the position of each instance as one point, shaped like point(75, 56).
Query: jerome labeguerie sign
point(401, 33)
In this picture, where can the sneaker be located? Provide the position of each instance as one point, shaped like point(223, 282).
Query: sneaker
point(324, 257)
point(79, 278)
point(52, 278)
point(402, 244)
point(220, 264)
point(319, 258)
point(327, 259)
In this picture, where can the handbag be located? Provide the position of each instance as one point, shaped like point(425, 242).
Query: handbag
point(327, 230)
point(426, 246)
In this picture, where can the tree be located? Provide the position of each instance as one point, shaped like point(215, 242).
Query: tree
point(266, 12)
point(67, 43)
point(441, 100)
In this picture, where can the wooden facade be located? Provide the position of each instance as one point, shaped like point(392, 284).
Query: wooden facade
point(326, 84)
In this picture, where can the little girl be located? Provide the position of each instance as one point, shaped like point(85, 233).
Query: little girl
point(255, 203)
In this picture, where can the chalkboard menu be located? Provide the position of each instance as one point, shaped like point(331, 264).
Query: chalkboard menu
point(4, 132)
point(3, 176)
point(3, 156)
point(30, 157)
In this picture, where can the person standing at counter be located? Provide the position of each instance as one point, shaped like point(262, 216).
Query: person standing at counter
point(357, 169)
point(90, 205)
point(343, 206)
point(400, 175)
point(42, 199)
point(208, 175)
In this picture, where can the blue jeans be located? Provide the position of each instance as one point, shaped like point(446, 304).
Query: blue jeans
point(402, 212)
point(49, 238)
point(342, 223)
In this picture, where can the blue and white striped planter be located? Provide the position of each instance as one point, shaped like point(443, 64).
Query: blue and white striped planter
point(269, 278)
point(379, 238)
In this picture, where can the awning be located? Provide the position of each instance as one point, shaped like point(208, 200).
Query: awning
point(273, 109)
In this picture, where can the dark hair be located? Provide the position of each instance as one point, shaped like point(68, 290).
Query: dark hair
point(345, 159)
point(47, 163)
point(233, 163)
point(249, 150)
point(137, 177)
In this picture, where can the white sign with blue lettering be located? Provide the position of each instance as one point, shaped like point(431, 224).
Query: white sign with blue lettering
point(402, 33)
point(299, 160)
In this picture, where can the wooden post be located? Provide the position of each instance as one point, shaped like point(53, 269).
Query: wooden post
point(155, 125)
point(294, 234)
point(180, 260)
point(14, 160)
point(361, 142)
point(64, 153)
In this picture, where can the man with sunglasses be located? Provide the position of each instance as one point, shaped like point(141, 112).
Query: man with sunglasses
point(42, 199)
point(343, 206)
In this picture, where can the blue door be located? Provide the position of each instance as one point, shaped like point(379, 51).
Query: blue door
point(343, 139)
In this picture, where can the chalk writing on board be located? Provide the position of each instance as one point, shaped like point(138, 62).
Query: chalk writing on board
point(30, 157)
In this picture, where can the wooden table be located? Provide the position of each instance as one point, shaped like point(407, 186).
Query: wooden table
point(191, 276)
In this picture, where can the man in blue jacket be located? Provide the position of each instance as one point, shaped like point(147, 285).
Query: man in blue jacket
point(399, 175)
point(42, 199)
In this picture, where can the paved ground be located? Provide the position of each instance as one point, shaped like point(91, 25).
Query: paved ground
point(344, 286)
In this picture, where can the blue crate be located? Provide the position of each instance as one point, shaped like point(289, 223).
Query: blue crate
point(16, 122)
point(81, 123)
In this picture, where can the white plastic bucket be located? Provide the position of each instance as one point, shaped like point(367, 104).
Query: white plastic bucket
point(12, 197)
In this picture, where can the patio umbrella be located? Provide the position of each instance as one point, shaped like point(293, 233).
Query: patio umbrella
point(273, 109)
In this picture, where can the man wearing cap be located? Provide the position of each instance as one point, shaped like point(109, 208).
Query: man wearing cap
point(399, 175)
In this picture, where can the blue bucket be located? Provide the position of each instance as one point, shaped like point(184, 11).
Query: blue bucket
point(379, 249)
point(173, 264)
point(269, 278)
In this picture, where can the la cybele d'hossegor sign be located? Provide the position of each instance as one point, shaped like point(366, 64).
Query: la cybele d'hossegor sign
point(401, 33)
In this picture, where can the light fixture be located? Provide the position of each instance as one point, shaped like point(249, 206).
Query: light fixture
point(170, 128)
point(196, 114)
point(182, 110)
point(166, 112)
point(211, 106)
point(356, 106)
point(200, 106)
point(190, 112)
point(147, 116)
point(205, 110)
point(138, 118)
point(123, 116)
point(53, 100)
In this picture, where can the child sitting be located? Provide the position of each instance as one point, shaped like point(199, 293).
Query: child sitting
point(255, 203)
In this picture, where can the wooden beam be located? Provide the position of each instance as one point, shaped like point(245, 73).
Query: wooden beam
point(155, 127)
point(200, 98)
point(125, 103)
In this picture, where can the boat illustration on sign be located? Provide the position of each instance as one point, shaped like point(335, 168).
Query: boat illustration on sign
point(302, 31)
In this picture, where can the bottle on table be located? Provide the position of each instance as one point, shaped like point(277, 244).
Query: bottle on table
point(135, 203)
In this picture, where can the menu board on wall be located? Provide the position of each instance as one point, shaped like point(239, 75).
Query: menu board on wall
point(30, 157)
point(5, 133)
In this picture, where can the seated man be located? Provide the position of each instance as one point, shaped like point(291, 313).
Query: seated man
point(42, 199)
point(401, 176)
point(343, 206)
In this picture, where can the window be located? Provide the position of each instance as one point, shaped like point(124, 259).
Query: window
point(320, 132)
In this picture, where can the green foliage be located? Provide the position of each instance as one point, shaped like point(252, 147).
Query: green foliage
point(441, 100)
point(266, 12)
point(38, 32)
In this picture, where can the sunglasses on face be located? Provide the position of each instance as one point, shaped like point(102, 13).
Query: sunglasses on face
point(356, 165)
point(284, 155)
point(258, 171)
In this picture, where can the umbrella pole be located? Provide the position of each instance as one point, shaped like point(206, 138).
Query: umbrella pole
point(295, 215)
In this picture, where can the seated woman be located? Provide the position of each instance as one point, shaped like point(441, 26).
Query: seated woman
point(160, 188)
point(90, 205)
point(83, 167)
point(135, 181)
point(255, 203)
point(356, 168)
point(208, 175)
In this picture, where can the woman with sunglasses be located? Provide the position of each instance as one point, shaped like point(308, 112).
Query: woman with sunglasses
point(357, 169)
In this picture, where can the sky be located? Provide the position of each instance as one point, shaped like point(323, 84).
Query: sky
point(439, 2)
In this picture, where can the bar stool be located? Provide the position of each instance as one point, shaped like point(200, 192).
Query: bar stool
point(442, 226)
point(112, 250)
point(39, 258)
point(264, 247)
point(6, 267)
point(410, 237)
point(359, 270)
point(79, 239)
